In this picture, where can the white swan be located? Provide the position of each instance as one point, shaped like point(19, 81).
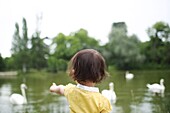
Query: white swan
point(129, 75)
point(157, 88)
point(18, 98)
point(110, 94)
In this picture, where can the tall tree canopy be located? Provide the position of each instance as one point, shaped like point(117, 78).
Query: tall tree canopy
point(19, 49)
point(124, 51)
point(39, 52)
point(157, 49)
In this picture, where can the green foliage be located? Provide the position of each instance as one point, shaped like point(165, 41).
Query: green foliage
point(123, 50)
point(2, 64)
point(157, 49)
point(20, 51)
point(10, 63)
point(39, 52)
point(28, 53)
point(52, 65)
point(67, 46)
point(16, 40)
point(55, 65)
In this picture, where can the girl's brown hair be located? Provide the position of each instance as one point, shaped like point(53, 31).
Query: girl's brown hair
point(87, 65)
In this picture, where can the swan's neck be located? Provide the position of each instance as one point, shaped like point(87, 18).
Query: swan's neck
point(111, 88)
point(161, 83)
point(24, 95)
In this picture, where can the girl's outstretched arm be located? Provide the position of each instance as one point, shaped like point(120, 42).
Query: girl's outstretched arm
point(57, 89)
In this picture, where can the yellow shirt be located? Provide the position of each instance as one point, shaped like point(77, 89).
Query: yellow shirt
point(84, 99)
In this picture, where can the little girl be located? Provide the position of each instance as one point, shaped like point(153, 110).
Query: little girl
point(87, 67)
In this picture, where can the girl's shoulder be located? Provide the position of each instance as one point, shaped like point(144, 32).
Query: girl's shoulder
point(70, 85)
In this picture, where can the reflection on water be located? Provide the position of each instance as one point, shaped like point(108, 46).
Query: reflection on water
point(5, 91)
point(132, 95)
point(62, 106)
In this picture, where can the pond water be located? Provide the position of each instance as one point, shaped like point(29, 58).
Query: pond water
point(132, 95)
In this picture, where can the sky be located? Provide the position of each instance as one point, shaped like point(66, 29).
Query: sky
point(66, 16)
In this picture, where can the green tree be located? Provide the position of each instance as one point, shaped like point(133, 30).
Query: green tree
point(10, 63)
point(39, 52)
point(2, 64)
point(16, 41)
point(124, 51)
point(52, 63)
point(20, 50)
point(157, 49)
point(66, 46)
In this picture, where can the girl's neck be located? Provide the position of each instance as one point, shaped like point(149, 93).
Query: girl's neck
point(88, 83)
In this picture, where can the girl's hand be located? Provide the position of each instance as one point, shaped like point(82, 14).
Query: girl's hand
point(57, 89)
point(53, 87)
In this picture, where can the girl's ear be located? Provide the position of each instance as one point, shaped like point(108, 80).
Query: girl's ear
point(72, 71)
